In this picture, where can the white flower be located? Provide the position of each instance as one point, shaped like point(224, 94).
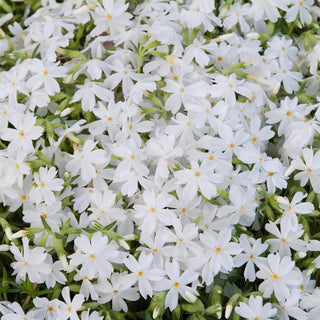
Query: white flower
point(311, 303)
point(24, 133)
point(291, 209)
point(227, 87)
point(94, 256)
point(290, 307)
point(287, 239)
point(255, 309)
point(83, 161)
point(15, 312)
point(217, 256)
point(118, 289)
point(143, 273)
point(45, 309)
point(250, 256)
point(87, 93)
point(70, 307)
point(29, 262)
point(278, 276)
point(310, 169)
point(267, 9)
point(46, 183)
point(154, 212)
point(197, 177)
point(44, 75)
point(302, 8)
point(111, 17)
point(177, 284)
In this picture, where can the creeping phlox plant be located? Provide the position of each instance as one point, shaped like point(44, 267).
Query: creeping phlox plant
point(159, 159)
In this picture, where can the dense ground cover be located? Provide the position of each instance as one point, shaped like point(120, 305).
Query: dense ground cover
point(159, 159)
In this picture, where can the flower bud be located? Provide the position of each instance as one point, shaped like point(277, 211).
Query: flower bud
point(191, 297)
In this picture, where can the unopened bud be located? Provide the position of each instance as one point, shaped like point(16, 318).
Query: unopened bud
point(190, 296)
point(228, 310)
point(301, 254)
point(66, 111)
point(281, 200)
point(8, 233)
point(4, 247)
point(276, 89)
point(155, 313)
point(124, 244)
point(253, 35)
point(224, 37)
point(290, 169)
point(19, 234)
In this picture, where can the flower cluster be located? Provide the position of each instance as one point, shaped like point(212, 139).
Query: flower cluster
point(160, 157)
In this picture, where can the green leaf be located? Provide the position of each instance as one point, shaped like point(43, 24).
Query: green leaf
point(157, 53)
point(152, 44)
point(45, 224)
point(269, 213)
point(213, 309)
point(223, 193)
point(197, 306)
